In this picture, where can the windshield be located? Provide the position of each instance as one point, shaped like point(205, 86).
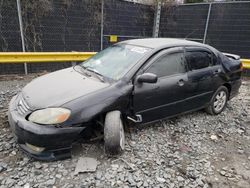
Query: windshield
point(115, 61)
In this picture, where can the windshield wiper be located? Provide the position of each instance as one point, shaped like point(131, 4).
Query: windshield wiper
point(98, 75)
point(82, 70)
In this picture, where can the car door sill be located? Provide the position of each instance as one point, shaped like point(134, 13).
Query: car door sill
point(169, 117)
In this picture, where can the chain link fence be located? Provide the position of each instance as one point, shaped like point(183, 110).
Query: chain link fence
point(229, 28)
point(10, 39)
point(224, 26)
point(65, 25)
point(86, 25)
point(186, 21)
point(127, 20)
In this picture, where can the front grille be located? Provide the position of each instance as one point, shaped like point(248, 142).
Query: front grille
point(22, 106)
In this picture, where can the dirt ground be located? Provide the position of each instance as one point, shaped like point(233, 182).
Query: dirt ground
point(192, 150)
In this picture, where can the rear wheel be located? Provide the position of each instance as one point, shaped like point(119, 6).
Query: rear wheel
point(218, 102)
point(114, 137)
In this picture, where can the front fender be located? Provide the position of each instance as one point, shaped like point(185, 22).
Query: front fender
point(110, 104)
point(85, 109)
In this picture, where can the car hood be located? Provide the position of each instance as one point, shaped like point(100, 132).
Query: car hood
point(59, 87)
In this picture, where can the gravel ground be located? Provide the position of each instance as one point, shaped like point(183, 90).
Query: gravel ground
point(193, 150)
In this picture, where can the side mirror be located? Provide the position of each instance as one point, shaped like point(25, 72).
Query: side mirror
point(147, 78)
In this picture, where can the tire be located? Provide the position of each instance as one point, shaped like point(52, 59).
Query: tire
point(218, 102)
point(114, 137)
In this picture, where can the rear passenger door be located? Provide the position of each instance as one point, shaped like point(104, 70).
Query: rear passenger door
point(200, 76)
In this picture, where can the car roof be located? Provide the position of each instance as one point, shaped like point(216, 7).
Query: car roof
point(162, 42)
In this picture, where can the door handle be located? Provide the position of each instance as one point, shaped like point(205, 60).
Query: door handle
point(217, 71)
point(181, 82)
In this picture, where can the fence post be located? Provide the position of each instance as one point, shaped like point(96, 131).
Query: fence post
point(157, 18)
point(207, 22)
point(21, 31)
point(102, 11)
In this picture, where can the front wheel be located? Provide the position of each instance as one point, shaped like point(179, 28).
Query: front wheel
point(114, 137)
point(218, 102)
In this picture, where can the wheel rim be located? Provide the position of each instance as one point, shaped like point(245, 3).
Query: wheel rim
point(220, 101)
point(122, 137)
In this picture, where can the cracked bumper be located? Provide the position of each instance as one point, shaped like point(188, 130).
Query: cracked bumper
point(56, 141)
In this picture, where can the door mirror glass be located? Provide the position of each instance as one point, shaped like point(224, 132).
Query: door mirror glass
point(147, 78)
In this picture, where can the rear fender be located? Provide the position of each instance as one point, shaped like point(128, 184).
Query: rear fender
point(232, 56)
point(231, 64)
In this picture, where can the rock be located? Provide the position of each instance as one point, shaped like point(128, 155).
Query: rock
point(166, 176)
point(27, 185)
point(9, 181)
point(171, 163)
point(86, 164)
point(3, 166)
point(114, 166)
point(139, 184)
point(145, 184)
point(243, 184)
point(222, 172)
point(38, 166)
point(200, 182)
point(240, 151)
point(131, 180)
point(98, 175)
point(20, 183)
point(240, 131)
point(180, 179)
point(213, 137)
point(161, 180)
point(69, 186)
point(59, 176)
point(2, 169)
point(51, 181)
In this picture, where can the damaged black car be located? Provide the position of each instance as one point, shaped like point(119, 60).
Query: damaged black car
point(139, 81)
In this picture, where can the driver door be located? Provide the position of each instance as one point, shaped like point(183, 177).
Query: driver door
point(167, 96)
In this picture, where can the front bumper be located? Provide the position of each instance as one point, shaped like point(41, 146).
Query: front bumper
point(56, 141)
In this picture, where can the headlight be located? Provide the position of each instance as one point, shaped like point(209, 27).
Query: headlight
point(50, 116)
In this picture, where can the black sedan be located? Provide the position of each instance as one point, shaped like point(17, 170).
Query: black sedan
point(138, 81)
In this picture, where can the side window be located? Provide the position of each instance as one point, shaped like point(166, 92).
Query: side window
point(168, 64)
point(198, 59)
